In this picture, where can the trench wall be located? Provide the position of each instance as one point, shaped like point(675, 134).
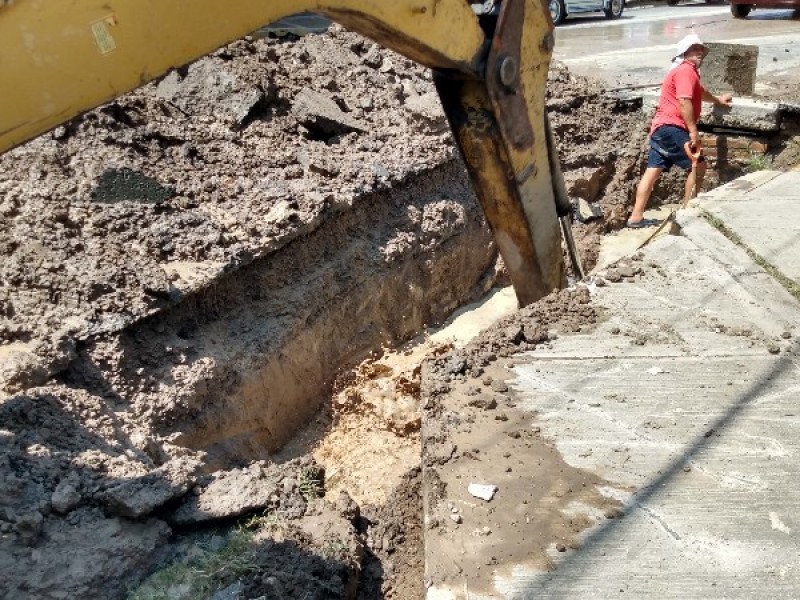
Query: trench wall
point(238, 368)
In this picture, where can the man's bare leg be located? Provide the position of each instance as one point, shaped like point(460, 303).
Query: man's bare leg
point(688, 192)
point(643, 191)
point(694, 182)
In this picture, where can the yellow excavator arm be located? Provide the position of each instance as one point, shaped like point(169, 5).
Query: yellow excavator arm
point(60, 58)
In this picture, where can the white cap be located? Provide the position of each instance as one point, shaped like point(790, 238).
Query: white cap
point(690, 40)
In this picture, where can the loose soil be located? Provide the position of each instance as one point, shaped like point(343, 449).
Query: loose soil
point(194, 272)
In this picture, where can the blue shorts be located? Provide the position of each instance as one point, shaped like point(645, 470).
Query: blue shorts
point(666, 148)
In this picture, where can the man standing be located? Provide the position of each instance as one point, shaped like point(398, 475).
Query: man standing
point(674, 124)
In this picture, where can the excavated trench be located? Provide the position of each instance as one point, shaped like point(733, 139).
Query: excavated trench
point(183, 360)
point(249, 360)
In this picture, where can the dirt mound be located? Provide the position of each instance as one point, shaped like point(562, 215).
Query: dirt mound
point(139, 296)
point(133, 206)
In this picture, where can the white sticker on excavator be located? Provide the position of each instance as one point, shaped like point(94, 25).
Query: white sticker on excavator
point(102, 36)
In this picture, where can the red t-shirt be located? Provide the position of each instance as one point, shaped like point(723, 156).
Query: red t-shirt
point(682, 81)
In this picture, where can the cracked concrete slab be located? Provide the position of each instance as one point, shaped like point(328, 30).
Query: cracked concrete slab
point(682, 404)
point(762, 212)
point(700, 424)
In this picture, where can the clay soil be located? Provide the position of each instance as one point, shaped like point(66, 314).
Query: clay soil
point(154, 249)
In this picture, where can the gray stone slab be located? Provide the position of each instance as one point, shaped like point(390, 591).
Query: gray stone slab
point(730, 68)
point(764, 217)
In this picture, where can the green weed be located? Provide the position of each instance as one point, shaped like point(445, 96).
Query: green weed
point(312, 483)
point(757, 162)
point(205, 573)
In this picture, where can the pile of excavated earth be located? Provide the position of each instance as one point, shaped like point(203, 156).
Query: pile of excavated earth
point(188, 276)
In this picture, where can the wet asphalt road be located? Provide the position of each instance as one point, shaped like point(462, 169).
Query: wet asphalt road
point(637, 48)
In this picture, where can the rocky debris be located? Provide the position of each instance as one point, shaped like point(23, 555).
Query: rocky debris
point(428, 110)
point(586, 212)
point(89, 556)
point(482, 490)
point(208, 89)
point(143, 495)
point(110, 218)
point(585, 183)
point(64, 455)
point(526, 487)
point(393, 566)
point(627, 268)
point(322, 116)
point(117, 231)
point(601, 142)
point(316, 557)
point(65, 497)
point(259, 486)
point(347, 507)
point(206, 168)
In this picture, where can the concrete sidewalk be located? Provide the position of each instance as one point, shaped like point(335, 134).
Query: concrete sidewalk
point(685, 401)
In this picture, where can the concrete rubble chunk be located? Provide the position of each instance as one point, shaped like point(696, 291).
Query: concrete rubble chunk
point(427, 108)
point(141, 496)
point(585, 182)
point(730, 68)
point(588, 212)
point(65, 497)
point(319, 112)
point(745, 113)
point(482, 491)
point(207, 89)
point(240, 491)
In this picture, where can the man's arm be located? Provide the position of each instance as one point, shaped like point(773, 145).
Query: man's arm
point(687, 112)
point(723, 100)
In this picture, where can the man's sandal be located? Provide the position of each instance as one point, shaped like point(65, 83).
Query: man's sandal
point(643, 223)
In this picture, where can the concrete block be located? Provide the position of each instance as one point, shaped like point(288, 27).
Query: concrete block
point(730, 68)
point(745, 114)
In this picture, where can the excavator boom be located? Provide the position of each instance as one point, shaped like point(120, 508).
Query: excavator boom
point(59, 59)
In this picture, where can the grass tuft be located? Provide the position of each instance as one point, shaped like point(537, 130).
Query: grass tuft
point(757, 162)
point(205, 573)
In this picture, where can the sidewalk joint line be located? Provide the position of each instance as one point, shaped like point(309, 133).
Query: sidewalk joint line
point(787, 283)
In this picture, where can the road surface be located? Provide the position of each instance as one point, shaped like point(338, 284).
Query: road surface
point(637, 48)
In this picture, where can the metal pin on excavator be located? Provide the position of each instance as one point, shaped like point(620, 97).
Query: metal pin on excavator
point(490, 62)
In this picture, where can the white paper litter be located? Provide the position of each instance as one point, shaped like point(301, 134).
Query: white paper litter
point(482, 490)
point(656, 370)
